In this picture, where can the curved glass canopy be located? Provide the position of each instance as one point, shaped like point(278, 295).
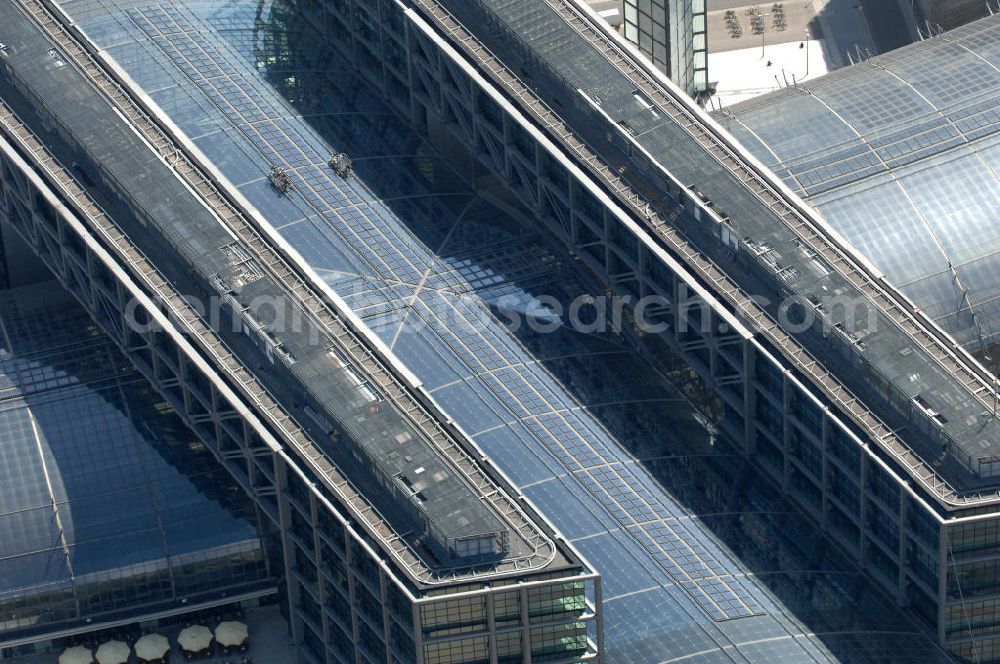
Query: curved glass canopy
point(901, 154)
point(700, 561)
point(109, 507)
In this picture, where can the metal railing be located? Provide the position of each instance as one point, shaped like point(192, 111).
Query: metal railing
point(661, 228)
point(810, 231)
point(938, 345)
point(438, 431)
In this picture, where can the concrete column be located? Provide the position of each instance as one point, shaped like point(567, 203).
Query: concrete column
point(352, 593)
point(608, 251)
point(825, 446)
point(574, 223)
point(599, 618)
point(383, 592)
point(863, 503)
point(320, 585)
point(539, 193)
point(749, 399)
point(418, 634)
point(903, 506)
point(505, 127)
point(786, 428)
point(943, 549)
point(525, 627)
point(491, 626)
point(287, 548)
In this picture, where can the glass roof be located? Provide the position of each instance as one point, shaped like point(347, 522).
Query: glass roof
point(775, 258)
point(107, 502)
point(446, 517)
point(612, 452)
point(901, 154)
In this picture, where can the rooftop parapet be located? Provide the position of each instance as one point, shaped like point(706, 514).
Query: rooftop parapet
point(576, 64)
point(353, 405)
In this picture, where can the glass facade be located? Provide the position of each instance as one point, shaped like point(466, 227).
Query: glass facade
point(752, 248)
point(950, 14)
point(353, 591)
point(672, 34)
point(502, 388)
point(883, 528)
point(635, 459)
point(898, 155)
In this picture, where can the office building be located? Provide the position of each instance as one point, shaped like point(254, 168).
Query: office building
point(876, 423)
point(899, 155)
point(950, 14)
point(673, 35)
point(207, 167)
point(398, 539)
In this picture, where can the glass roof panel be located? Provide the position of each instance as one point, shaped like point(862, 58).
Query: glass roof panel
point(881, 221)
point(99, 481)
point(921, 108)
point(958, 198)
point(547, 402)
point(876, 101)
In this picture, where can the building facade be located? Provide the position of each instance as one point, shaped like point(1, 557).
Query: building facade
point(420, 553)
point(673, 34)
point(870, 476)
point(950, 14)
point(356, 589)
point(909, 177)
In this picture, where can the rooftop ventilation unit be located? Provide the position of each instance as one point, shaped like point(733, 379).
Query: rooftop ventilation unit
point(341, 164)
point(280, 179)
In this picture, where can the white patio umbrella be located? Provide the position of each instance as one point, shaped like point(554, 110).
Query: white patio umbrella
point(231, 633)
point(195, 638)
point(152, 646)
point(76, 655)
point(113, 652)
